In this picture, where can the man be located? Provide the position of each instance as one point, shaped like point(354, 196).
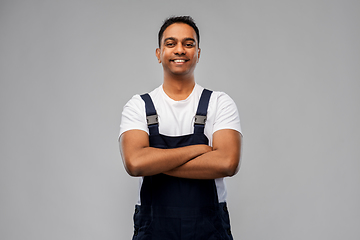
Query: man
point(182, 140)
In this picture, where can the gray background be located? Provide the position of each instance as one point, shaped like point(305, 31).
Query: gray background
point(68, 67)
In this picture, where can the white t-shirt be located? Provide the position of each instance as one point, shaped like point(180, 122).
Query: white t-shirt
point(176, 118)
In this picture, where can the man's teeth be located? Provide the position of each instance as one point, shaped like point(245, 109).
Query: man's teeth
point(179, 61)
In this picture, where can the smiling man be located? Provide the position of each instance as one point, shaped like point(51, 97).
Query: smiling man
point(182, 141)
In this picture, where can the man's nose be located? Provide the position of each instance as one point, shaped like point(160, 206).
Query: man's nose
point(179, 49)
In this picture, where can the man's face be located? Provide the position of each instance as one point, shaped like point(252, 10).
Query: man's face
point(179, 51)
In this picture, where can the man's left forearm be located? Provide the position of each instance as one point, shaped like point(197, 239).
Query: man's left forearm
point(223, 161)
point(210, 165)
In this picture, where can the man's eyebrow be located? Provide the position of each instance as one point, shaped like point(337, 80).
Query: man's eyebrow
point(189, 39)
point(169, 38)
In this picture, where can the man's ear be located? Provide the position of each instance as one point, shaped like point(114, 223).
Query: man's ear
point(199, 51)
point(157, 53)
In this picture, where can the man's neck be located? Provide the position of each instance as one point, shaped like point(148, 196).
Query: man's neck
point(178, 88)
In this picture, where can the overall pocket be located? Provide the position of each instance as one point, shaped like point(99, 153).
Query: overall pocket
point(225, 220)
point(142, 222)
point(208, 229)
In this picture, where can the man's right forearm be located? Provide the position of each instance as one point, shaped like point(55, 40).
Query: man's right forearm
point(142, 160)
point(150, 161)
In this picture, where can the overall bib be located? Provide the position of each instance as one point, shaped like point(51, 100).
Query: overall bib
point(177, 208)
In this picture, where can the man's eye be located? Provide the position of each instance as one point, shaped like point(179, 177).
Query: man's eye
point(169, 44)
point(189, 44)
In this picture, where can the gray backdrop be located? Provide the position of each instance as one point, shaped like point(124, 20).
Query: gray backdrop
point(68, 67)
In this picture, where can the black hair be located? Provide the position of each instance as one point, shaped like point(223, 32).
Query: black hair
point(179, 19)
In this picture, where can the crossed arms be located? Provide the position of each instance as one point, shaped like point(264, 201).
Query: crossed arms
point(195, 161)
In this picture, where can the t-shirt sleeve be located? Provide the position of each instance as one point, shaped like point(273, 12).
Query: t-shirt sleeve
point(227, 116)
point(133, 115)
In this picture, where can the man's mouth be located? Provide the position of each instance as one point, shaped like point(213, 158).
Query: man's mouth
point(179, 60)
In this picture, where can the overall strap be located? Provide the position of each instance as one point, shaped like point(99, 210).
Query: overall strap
point(151, 115)
point(200, 117)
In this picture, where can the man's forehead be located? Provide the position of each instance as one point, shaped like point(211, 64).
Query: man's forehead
point(179, 31)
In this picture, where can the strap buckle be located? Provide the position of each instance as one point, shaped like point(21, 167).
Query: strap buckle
point(152, 119)
point(200, 119)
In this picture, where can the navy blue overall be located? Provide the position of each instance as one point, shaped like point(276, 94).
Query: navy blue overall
point(177, 208)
